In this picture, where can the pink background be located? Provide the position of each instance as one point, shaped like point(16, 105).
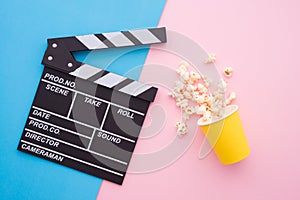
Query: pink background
point(260, 40)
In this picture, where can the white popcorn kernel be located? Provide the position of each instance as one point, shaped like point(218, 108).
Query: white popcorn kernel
point(209, 102)
point(217, 110)
point(220, 96)
point(177, 124)
point(232, 95)
point(178, 103)
point(204, 119)
point(199, 110)
point(195, 93)
point(207, 98)
point(190, 87)
point(211, 58)
point(190, 81)
point(187, 94)
point(184, 64)
point(189, 110)
point(195, 76)
point(179, 96)
point(178, 91)
point(200, 99)
point(201, 120)
point(201, 88)
point(207, 114)
point(228, 101)
point(182, 67)
point(206, 81)
point(182, 129)
point(179, 85)
point(184, 103)
point(228, 71)
point(180, 72)
point(195, 97)
point(185, 76)
point(207, 118)
point(171, 94)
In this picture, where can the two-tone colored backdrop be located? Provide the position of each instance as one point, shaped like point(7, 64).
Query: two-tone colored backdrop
point(259, 39)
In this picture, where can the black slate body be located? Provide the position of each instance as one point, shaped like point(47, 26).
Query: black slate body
point(86, 127)
point(84, 117)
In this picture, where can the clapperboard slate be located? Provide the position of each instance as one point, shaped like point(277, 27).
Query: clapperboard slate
point(84, 117)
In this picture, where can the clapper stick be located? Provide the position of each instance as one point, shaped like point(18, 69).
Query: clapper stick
point(84, 117)
point(59, 56)
point(58, 53)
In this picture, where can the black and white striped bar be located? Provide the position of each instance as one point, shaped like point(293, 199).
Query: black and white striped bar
point(115, 82)
point(122, 38)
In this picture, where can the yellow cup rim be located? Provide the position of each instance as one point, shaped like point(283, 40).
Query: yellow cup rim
point(229, 110)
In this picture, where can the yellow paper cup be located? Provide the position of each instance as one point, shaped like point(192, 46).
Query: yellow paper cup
point(227, 136)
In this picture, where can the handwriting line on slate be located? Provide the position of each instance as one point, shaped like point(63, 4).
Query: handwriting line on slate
point(84, 94)
point(76, 159)
point(83, 124)
point(73, 145)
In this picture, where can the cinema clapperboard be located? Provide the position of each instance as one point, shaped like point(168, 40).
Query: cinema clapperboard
point(84, 117)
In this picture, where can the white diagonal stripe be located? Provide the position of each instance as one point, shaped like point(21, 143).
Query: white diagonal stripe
point(110, 80)
point(145, 36)
point(91, 41)
point(135, 88)
point(85, 71)
point(118, 39)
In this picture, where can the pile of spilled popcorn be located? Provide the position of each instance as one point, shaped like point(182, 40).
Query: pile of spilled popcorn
point(193, 97)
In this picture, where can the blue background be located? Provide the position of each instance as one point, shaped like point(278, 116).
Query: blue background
point(25, 26)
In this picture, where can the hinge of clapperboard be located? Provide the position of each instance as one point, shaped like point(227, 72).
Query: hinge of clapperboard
point(59, 56)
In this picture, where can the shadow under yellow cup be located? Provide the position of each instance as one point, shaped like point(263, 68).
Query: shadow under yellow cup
point(227, 136)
